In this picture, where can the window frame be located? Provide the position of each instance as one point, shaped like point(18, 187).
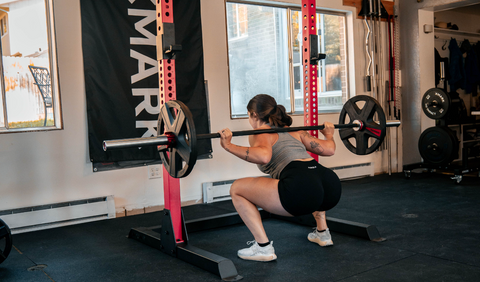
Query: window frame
point(54, 79)
point(289, 8)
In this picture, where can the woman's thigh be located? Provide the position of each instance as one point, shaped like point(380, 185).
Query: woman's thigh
point(261, 191)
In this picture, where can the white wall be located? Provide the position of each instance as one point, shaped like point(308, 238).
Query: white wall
point(48, 167)
point(427, 61)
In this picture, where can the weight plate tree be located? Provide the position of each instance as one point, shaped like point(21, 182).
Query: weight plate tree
point(438, 145)
point(435, 103)
point(371, 129)
point(5, 241)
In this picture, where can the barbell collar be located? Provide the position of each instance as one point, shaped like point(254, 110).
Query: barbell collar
point(393, 123)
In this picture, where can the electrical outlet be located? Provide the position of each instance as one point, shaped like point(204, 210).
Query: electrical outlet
point(155, 171)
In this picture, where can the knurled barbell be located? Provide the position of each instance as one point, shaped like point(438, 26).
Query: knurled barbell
point(178, 145)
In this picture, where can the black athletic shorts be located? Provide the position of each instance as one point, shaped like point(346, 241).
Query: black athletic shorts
point(306, 187)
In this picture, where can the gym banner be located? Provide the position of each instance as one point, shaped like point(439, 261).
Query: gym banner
point(121, 73)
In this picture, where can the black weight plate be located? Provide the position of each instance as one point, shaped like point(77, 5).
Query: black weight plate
point(180, 158)
point(372, 130)
point(5, 241)
point(438, 145)
point(435, 103)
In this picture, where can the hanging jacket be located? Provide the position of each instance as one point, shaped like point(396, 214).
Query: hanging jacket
point(472, 72)
point(456, 68)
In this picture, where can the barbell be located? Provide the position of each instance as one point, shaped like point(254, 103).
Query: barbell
point(178, 145)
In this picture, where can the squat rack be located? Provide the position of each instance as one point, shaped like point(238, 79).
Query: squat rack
point(171, 236)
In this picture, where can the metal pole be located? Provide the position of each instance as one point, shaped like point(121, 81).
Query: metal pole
point(372, 49)
point(310, 69)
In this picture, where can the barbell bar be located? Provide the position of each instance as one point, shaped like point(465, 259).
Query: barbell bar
point(178, 150)
point(165, 139)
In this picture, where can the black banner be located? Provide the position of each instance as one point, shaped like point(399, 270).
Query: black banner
point(121, 73)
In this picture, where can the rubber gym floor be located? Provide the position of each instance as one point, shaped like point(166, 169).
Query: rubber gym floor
point(431, 226)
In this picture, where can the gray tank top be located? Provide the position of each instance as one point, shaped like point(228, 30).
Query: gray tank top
point(285, 150)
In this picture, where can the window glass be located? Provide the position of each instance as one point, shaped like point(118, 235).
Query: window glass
point(263, 58)
point(29, 89)
point(332, 70)
point(296, 43)
point(333, 61)
point(258, 54)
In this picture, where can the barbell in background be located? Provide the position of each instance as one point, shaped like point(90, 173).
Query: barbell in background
point(178, 146)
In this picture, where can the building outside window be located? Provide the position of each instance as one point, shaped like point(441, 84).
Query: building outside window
point(29, 85)
point(266, 57)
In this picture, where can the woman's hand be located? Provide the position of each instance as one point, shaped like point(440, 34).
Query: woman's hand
point(225, 138)
point(328, 130)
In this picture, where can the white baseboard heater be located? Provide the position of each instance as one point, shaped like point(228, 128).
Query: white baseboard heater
point(220, 190)
point(216, 191)
point(354, 171)
point(59, 214)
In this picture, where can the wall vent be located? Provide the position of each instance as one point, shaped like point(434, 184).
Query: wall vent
point(59, 214)
point(220, 190)
point(216, 191)
point(354, 171)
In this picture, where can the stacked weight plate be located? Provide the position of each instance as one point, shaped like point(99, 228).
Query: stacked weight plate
point(438, 144)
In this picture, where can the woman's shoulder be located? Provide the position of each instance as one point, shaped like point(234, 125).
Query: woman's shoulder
point(270, 138)
point(296, 134)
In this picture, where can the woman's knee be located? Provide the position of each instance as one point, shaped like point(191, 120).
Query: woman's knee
point(235, 188)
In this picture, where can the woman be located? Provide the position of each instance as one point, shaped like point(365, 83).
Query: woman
point(299, 185)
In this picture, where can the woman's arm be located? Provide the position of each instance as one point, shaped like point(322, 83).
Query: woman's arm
point(317, 146)
point(259, 152)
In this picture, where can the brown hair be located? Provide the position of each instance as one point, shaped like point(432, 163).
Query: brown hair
point(268, 111)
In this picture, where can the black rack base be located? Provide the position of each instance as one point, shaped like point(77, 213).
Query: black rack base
point(161, 238)
point(458, 170)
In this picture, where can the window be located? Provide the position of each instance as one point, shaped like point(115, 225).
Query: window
point(30, 94)
point(258, 62)
point(3, 23)
point(268, 58)
point(237, 27)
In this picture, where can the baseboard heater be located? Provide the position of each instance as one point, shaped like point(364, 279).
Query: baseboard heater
point(216, 191)
point(354, 171)
point(220, 190)
point(59, 214)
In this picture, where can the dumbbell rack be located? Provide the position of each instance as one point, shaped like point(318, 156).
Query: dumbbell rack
point(465, 160)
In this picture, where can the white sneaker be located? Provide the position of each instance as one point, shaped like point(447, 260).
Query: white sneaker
point(324, 238)
point(255, 252)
